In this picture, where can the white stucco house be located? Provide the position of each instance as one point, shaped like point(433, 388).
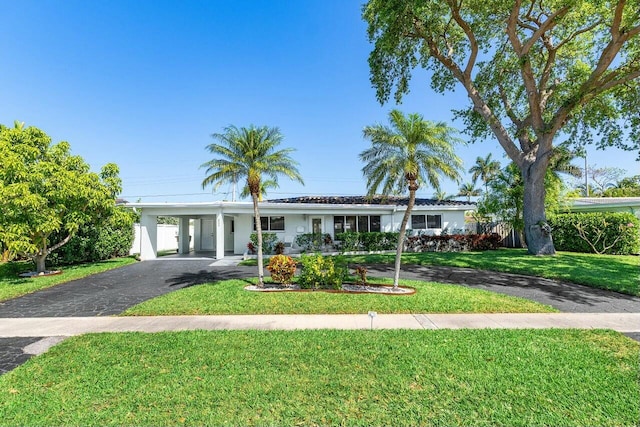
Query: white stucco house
point(225, 227)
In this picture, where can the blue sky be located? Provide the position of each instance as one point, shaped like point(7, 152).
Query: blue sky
point(145, 83)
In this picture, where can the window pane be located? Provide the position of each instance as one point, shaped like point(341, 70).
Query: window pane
point(374, 223)
point(338, 225)
point(350, 224)
point(363, 224)
point(277, 223)
point(418, 222)
point(264, 223)
point(434, 221)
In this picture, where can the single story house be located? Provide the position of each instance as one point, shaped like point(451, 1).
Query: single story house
point(604, 204)
point(224, 227)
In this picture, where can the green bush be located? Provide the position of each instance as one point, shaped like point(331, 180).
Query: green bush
point(110, 237)
point(282, 269)
point(320, 272)
point(312, 242)
point(614, 233)
point(369, 241)
point(269, 241)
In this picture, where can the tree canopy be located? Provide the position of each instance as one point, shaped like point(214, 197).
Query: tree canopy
point(532, 69)
point(47, 191)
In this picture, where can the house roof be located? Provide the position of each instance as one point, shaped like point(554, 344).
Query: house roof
point(366, 200)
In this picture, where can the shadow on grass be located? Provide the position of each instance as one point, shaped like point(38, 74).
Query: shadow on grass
point(186, 280)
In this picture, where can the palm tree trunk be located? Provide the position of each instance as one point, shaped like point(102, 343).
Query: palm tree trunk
point(256, 214)
point(401, 235)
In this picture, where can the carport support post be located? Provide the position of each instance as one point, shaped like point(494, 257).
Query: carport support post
point(219, 235)
point(183, 235)
point(148, 237)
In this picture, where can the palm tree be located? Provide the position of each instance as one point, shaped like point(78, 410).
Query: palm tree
point(408, 153)
point(441, 195)
point(468, 190)
point(485, 169)
point(250, 153)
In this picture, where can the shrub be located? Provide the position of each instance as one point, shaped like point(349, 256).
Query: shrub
point(614, 233)
point(269, 241)
point(111, 237)
point(312, 242)
point(320, 272)
point(282, 269)
point(369, 241)
point(452, 243)
point(279, 248)
point(361, 273)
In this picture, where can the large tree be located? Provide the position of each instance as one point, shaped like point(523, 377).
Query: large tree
point(409, 153)
point(532, 69)
point(250, 153)
point(47, 193)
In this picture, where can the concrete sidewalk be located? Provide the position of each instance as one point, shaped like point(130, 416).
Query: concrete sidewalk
point(69, 326)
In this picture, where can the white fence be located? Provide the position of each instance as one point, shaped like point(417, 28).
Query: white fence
point(167, 238)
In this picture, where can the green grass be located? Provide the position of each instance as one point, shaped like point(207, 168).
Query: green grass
point(229, 297)
point(620, 273)
point(328, 377)
point(12, 286)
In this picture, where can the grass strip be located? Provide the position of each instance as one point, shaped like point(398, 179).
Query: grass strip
point(12, 286)
point(229, 297)
point(327, 377)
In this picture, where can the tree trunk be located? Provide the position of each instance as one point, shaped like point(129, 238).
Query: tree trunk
point(536, 228)
point(39, 260)
point(403, 232)
point(256, 214)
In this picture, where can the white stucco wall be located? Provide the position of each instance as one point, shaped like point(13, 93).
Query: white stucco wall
point(166, 238)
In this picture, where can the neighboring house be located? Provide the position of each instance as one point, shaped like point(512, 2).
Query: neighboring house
point(604, 204)
point(225, 227)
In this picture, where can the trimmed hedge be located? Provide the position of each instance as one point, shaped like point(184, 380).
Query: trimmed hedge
point(613, 233)
point(452, 243)
point(371, 241)
point(112, 237)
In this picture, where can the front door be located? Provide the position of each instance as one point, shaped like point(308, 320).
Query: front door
point(316, 225)
point(208, 242)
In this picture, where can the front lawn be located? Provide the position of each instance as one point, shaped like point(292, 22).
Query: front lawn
point(620, 273)
point(328, 377)
point(12, 286)
point(229, 297)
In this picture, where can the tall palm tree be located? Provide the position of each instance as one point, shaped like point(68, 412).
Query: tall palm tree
point(408, 153)
point(250, 153)
point(485, 169)
point(468, 190)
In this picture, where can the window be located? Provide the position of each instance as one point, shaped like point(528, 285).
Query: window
point(418, 222)
point(423, 222)
point(434, 221)
point(360, 223)
point(270, 223)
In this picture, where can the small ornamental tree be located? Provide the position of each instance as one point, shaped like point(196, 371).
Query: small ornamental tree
point(47, 192)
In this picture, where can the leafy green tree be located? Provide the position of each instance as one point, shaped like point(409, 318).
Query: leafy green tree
point(485, 168)
point(626, 187)
point(532, 70)
point(250, 153)
point(409, 153)
point(469, 190)
point(46, 192)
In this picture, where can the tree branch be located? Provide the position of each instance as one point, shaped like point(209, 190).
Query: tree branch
point(59, 244)
point(473, 42)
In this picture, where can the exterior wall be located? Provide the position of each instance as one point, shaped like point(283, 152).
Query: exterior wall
point(166, 238)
